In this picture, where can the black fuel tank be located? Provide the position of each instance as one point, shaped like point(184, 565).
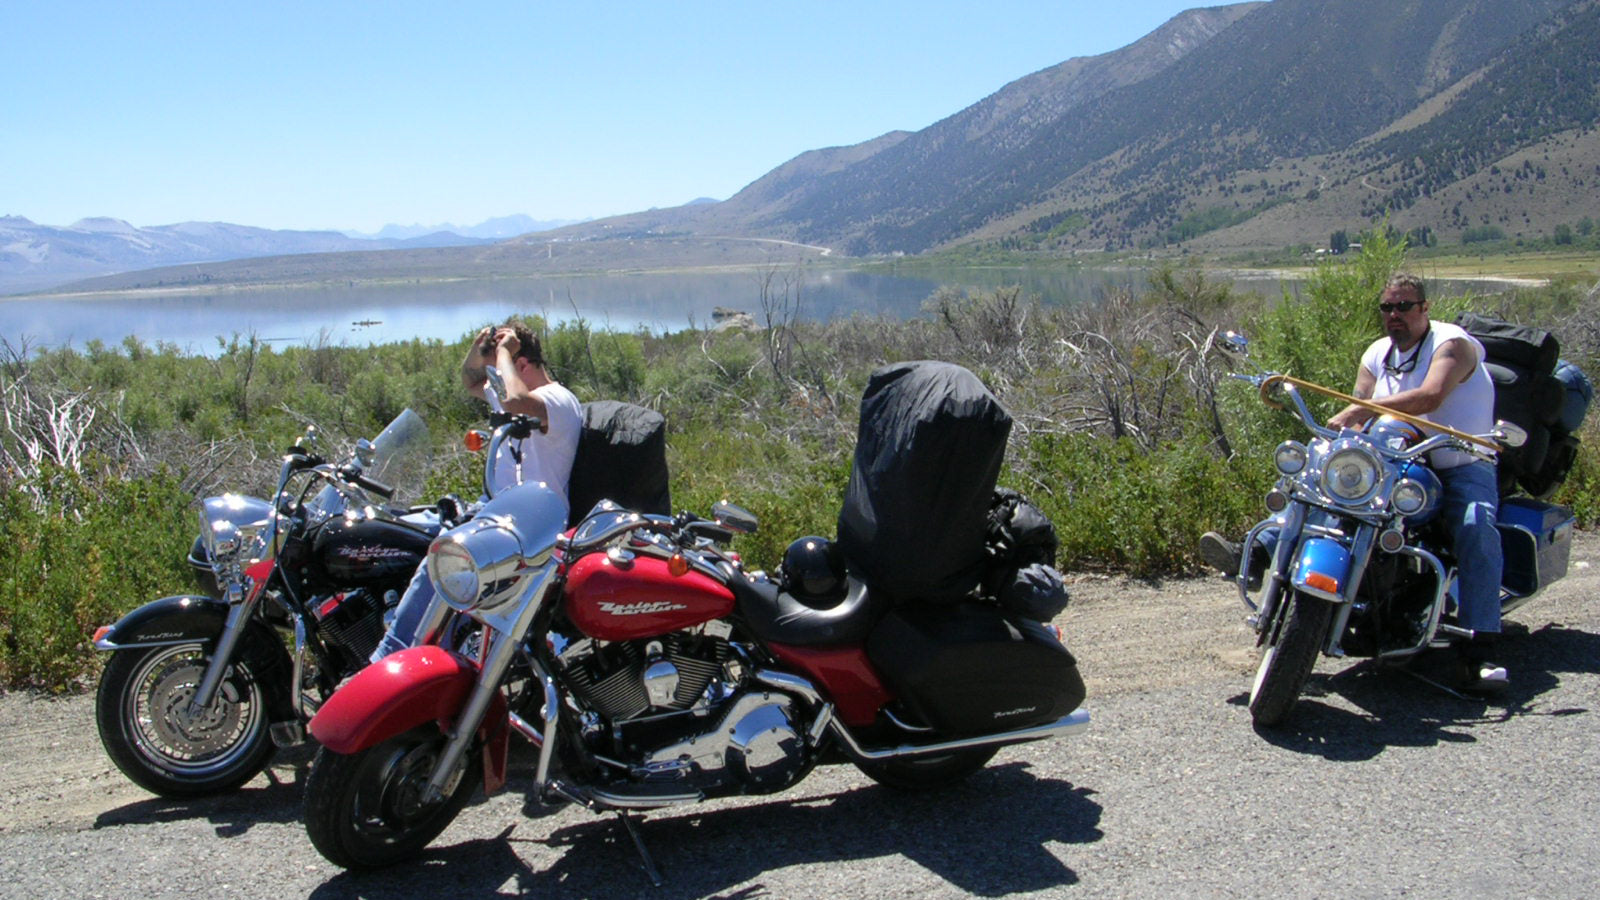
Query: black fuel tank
point(369, 553)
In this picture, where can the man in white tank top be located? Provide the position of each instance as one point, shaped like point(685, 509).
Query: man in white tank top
point(1435, 370)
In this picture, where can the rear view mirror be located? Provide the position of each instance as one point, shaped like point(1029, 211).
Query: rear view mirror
point(734, 518)
point(1234, 344)
point(1509, 434)
point(497, 382)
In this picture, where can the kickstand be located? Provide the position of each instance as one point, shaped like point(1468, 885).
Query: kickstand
point(1429, 681)
point(638, 844)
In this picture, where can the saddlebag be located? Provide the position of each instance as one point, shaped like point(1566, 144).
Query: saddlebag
point(1529, 392)
point(928, 451)
point(1536, 538)
point(968, 668)
point(622, 457)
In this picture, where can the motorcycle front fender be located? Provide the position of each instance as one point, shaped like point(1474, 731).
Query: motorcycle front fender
point(171, 620)
point(1322, 568)
point(403, 690)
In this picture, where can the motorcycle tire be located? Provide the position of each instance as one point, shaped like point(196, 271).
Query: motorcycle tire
point(1287, 661)
point(926, 773)
point(141, 711)
point(363, 809)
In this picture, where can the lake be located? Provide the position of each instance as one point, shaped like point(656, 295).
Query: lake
point(360, 315)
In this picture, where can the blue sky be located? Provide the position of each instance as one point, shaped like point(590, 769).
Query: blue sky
point(354, 115)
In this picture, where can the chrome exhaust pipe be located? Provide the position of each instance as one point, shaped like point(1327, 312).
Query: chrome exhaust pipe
point(1073, 723)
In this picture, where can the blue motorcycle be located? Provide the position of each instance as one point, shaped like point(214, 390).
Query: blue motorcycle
point(1359, 563)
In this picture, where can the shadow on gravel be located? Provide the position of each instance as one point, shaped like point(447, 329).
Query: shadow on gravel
point(233, 813)
point(988, 837)
point(1396, 706)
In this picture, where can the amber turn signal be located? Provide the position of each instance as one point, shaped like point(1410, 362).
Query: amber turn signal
point(678, 565)
point(1323, 582)
point(475, 440)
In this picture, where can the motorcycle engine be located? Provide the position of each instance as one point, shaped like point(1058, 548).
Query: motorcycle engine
point(675, 710)
point(351, 621)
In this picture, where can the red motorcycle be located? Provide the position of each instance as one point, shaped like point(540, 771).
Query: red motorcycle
point(650, 669)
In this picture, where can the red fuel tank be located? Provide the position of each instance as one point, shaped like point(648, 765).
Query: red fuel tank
point(639, 598)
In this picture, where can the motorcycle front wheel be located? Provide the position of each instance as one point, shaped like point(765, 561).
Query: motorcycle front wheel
point(1286, 663)
point(365, 809)
point(142, 710)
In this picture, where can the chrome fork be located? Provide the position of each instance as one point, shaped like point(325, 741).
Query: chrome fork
point(502, 639)
point(241, 604)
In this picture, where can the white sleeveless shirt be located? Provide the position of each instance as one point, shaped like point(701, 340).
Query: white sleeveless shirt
point(1469, 407)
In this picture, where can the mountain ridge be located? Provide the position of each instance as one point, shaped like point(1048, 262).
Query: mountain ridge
point(1249, 125)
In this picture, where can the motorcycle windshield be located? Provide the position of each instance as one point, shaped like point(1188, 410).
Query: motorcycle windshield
point(402, 453)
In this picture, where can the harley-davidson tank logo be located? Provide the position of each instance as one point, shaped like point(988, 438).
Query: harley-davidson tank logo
point(639, 609)
point(374, 552)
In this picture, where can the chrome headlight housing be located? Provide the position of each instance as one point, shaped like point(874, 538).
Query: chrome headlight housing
point(236, 529)
point(472, 566)
point(1352, 473)
point(1290, 457)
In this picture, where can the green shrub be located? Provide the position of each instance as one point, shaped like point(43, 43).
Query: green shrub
point(77, 555)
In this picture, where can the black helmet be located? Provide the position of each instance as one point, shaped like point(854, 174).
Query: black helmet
point(813, 569)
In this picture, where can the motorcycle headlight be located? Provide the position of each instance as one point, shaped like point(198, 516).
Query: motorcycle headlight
point(1351, 474)
point(472, 565)
point(1409, 497)
point(234, 527)
point(1290, 457)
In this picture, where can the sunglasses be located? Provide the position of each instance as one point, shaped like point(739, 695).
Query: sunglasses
point(1401, 306)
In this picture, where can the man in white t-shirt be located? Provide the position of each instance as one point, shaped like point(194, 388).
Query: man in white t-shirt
point(546, 455)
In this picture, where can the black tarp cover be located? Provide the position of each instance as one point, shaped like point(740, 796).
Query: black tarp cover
point(622, 456)
point(928, 451)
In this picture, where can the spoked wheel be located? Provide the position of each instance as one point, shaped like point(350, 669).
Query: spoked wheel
point(366, 809)
point(924, 773)
point(142, 710)
point(1287, 661)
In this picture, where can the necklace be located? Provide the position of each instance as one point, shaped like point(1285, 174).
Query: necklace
point(1409, 364)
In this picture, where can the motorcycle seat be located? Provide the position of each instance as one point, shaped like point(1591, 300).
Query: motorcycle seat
point(781, 618)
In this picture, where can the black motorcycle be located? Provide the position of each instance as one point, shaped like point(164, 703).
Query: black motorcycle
point(200, 689)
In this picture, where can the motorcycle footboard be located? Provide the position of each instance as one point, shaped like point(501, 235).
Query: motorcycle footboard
point(971, 669)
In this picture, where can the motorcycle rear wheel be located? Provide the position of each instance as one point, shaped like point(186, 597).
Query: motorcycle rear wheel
point(141, 710)
point(1287, 662)
point(926, 773)
point(364, 810)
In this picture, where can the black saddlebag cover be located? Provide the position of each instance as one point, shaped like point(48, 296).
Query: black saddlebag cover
point(968, 668)
point(928, 452)
point(1531, 348)
point(622, 457)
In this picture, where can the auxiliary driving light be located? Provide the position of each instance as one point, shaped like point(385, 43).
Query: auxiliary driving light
point(1290, 457)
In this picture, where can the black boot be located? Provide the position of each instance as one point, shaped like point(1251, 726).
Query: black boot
point(1479, 673)
point(1223, 555)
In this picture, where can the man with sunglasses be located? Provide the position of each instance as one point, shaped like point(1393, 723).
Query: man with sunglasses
point(1435, 370)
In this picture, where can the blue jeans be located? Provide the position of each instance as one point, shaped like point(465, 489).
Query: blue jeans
point(401, 627)
point(1471, 500)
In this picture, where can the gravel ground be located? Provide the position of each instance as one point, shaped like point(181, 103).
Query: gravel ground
point(1380, 785)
